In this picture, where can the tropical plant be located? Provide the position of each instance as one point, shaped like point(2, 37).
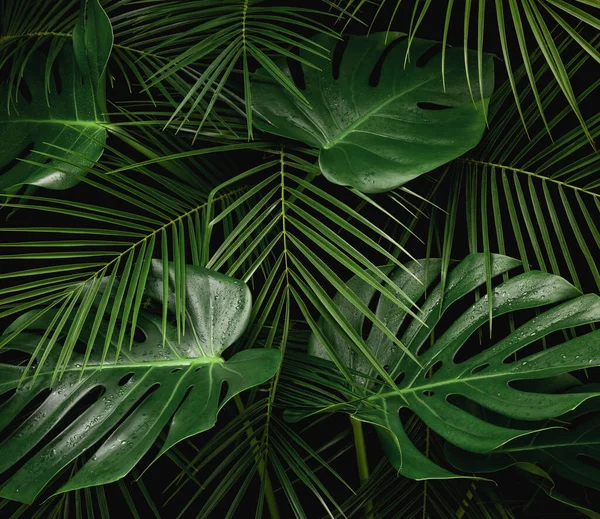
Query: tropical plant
point(263, 258)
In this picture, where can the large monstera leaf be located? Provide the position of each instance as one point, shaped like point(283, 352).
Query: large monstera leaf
point(376, 137)
point(52, 129)
point(570, 452)
point(485, 380)
point(181, 384)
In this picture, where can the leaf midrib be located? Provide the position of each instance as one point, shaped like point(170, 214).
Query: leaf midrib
point(176, 363)
point(367, 115)
point(539, 176)
point(415, 389)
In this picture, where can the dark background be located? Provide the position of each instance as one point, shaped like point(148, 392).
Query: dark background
point(512, 487)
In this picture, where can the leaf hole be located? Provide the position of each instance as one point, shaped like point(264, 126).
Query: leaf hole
point(589, 461)
point(36, 411)
point(479, 369)
point(367, 325)
point(80, 346)
point(185, 397)
point(56, 77)
point(338, 54)
point(83, 400)
point(139, 335)
point(25, 92)
point(557, 384)
point(223, 393)
point(428, 393)
point(5, 397)
point(25, 152)
point(376, 72)
point(434, 369)
point(433, 106)
point(175, 370)
point(428, 55)
point(27, 410)
point(126, 378)
point(424, 347)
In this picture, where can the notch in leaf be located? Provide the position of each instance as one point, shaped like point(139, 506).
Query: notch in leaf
point(149, 386)
point(373, 121)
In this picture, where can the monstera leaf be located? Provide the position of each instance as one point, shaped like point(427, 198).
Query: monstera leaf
point(571, 452)
point(49, 138)
point(120, 408)
point(433, 387)
point(380, 122)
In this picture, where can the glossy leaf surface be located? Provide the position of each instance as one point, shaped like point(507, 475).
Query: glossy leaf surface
point(380, 122)
point(122, 407)
point(92, 43)
point(483, 379)
point(570, 452)
point(51, 129)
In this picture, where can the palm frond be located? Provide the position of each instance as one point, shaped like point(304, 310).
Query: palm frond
point(529, 182)
point(533, 24)
point(157, 214)
point(164, 40)
point(26, 27)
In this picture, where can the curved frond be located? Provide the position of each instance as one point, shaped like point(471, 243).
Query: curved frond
point(521, 27)
point(527, 195)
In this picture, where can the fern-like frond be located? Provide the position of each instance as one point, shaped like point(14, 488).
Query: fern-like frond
point(107, 246)
point(216, 38)
point(521, 28)
point(529, 196)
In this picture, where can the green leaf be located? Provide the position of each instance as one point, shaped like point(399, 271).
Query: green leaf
point(559, 453)
point(484, 378)
point(376, 138)
point(150, 386)
point(51, 140)
point(92, 44)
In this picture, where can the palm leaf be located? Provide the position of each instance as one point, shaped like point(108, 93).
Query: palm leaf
point(534, 181)
point(527, 20)
point(482, 379)
point(61, 111)
point(142, 390)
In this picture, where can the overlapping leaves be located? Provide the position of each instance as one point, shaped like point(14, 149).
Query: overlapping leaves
point(484, 379)
point(161, 378)
point(51, 121)
point(379, 124)
point(532, 24)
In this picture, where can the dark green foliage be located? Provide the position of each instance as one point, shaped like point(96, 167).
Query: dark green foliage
point(196, 195)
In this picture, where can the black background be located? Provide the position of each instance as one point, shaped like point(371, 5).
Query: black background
point(513, 488)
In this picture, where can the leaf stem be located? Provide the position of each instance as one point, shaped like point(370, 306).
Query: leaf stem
point(361, 460)
point(262, 470)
